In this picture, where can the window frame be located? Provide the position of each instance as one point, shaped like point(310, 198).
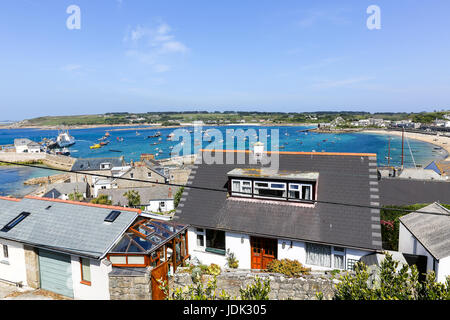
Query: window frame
point(241, 193)
point(202, 233)
point(300, 190)
point(269, 183)
point(83, 281)
point(5, 252)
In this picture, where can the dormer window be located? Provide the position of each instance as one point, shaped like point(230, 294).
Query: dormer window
point(277, 185)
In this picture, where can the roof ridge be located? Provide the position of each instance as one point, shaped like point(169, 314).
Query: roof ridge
point(10, 199)
point(85, 204)
point(299, 152)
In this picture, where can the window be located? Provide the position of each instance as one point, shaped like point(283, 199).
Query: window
point(318, 255)
point(105, 166)
point(131, 175)
point(244, 187)
point(5, 251)
point(338, 258)
point(112, 216)
point(200, 238)
point(215, 241)
point(85, 271)
point(149, 174)
point(299, 191)
point(270, 189)
point(15, 221)
point(325, 256)
point(351, 264)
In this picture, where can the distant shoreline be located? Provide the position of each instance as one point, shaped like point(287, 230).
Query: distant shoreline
point(442, 141)
point(118, 127)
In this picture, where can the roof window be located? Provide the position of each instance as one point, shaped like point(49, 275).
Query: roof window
point(15, 221)
point(112, 216)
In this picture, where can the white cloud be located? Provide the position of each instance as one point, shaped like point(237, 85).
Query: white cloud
point(151, 45)
point(71, 67)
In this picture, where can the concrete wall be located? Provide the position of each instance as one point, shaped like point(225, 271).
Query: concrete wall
point(58, 162)
point(13, 268)
point(282, 288)
point(99, 288)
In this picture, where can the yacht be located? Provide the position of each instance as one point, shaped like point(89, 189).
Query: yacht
point(64, 139)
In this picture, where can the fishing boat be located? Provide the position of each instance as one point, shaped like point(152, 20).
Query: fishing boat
point(96, 146)
point(104, 143)
point(64, 139)
point(107, 134)
point(119, 139)
point(62, 152)
point(137, 133)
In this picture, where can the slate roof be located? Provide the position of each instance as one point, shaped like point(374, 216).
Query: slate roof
point(431, 230)
point(64, 226)
point(93, 164)
point(65, 188)
point(343, 178)
point(399, 192)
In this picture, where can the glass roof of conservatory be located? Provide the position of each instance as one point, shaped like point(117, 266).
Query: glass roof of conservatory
point(147, 235)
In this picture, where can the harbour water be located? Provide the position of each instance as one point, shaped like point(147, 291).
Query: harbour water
point(133, 141)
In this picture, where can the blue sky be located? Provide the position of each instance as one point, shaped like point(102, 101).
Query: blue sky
point(149, 55)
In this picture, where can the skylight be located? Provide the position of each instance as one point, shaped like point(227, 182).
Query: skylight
point(112, 216)
point(15, 221)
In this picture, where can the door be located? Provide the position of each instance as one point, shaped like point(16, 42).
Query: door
point(263, 250)
point(159, 273)
point(55, 272)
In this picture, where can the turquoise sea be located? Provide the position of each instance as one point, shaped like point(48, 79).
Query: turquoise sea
point(136, 141)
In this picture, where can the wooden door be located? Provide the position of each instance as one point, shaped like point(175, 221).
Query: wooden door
point(263, 251)
point(159, 273)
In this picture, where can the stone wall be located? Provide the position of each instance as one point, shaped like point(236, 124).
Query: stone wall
point(282, 288)
point(130, 286)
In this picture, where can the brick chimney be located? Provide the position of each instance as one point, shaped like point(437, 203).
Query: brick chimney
point(170, 193)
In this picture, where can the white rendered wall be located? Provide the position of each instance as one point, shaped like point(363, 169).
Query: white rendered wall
point(239, 244)
point(99, 288)
point(407, 243)
point(13, 268)
point(154, 205)
point(443, 269)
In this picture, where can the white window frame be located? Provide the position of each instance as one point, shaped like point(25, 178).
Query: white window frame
point(5, 248)
point(300, 190)
point(269, 183)
point(242, 193)
point(200, 232)
point(337, 252)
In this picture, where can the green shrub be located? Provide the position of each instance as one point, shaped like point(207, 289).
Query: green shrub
point(290, 268)
point(232, 262)
point(259, 290)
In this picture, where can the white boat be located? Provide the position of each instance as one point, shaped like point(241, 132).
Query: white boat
point(64, 139)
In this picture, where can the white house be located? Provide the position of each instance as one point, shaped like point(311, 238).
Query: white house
point(265, 214)
point(427, 233)
point(60, 246)
point(27, 146)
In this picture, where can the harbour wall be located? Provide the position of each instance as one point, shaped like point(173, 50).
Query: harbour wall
point(52, 161)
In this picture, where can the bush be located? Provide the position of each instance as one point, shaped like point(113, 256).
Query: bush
point(213, 269)
point(232, 262)
point(102, 199)
point(290, 268)
point(259, 290)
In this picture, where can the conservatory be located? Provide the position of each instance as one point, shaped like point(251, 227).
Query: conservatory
point(150, 243)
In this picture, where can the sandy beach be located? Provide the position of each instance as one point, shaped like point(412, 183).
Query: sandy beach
point(441, 141)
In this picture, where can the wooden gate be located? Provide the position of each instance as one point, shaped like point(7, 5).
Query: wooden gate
point(159, 273)
point(263, 251)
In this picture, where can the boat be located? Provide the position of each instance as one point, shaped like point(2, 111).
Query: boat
point(96, 146)
point(103, 138)
point(104, 143)
point(62, 152)
point(107, 134)
point(64, 139)
point(137, 133)
point(119, 139)
point(114, 150)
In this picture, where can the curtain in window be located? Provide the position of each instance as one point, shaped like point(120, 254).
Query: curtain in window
point(339, 262)
point(318, 255)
